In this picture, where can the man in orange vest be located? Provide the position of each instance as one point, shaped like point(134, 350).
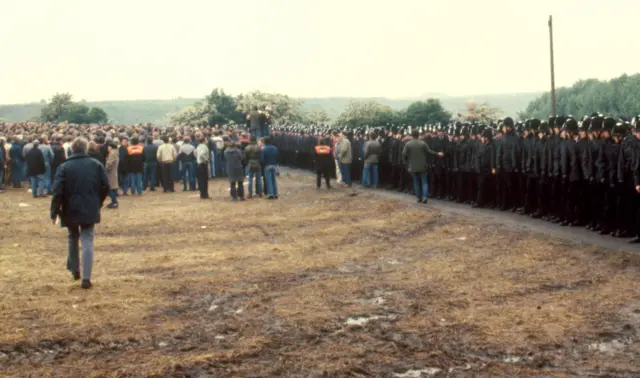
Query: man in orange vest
point(324, 163)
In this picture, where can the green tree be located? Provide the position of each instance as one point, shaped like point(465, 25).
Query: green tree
point(317, 117)
point(365, 113)
point(62, 108)
point(197, 114)
point(225, 106)
point(56, 107)
point(618, 97)
point(98, 115)
point(430, 111)
point(282, 108)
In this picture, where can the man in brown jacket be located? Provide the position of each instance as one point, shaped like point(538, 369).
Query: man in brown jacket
point(111, 166)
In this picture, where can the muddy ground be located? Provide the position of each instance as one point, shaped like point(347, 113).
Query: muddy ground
point(314, 284)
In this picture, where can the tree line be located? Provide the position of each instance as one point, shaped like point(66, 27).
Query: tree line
point(618, 97)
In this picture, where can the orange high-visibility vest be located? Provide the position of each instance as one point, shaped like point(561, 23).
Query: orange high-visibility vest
point(135, 150)
point(323, 150)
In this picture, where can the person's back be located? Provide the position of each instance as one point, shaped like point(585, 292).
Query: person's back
point(81, 186)
point(254, 121)
point(252, 157)
point(135, 158)
point(269, 155)
point(415, 152)
point(35, 162)
point(372, 151)
point(151, 152)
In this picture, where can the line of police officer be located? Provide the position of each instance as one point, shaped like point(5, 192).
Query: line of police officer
point(581, 174)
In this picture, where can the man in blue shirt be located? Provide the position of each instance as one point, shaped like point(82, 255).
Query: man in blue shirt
point(269, 160)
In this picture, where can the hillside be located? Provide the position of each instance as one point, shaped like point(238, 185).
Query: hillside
point(154, 111)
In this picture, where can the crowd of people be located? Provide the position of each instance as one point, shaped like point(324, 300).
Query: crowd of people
point(574, 173)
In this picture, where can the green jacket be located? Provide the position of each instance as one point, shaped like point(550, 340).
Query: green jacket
point(252, 157)
point(344, 150)
point(415, 154)
point(372, 151)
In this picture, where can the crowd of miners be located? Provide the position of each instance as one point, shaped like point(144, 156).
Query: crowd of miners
point(580, 173)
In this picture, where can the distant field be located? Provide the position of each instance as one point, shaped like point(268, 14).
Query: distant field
point(155, 111)
point(314, 284)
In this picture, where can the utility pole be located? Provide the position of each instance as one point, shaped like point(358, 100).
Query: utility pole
point(553, 76)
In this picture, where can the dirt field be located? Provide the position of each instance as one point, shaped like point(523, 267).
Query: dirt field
point(314, 284)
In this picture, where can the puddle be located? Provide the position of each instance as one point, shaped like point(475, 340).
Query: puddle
point(418, 373)
point(22, 204)
point(609, 346)
point(393, 262)
point(462, 238)
point(362, 320)
point(516, 359)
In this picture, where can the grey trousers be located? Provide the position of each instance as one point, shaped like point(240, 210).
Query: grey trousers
point(85, 233)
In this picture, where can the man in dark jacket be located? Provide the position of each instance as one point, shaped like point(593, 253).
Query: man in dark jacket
point(59, 156)
point(135, 165)
point(415, 154)
point(507, 166)
point(485, 163)
point(150, 165)
point(324, 163)
point(80, 188)
point(372, 151)
point(36, 169)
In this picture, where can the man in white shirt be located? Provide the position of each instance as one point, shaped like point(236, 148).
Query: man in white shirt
point(202, 159)
point(166, 157)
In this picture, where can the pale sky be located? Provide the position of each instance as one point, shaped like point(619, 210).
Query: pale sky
point(152, 49)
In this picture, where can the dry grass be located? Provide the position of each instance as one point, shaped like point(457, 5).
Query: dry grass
point(265, 290)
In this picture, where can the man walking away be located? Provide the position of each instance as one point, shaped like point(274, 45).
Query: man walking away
point(415, 154)
point(166, 155)
point(202, 159)
point(324, 163)
point(135, 165)
point(252, 160)
point(36, 169)
point(372, 151)
point(111, 166)
point(80, 188)
point(235, 170)
point(269, 159)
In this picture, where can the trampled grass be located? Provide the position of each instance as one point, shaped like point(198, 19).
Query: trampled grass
point(184, 287)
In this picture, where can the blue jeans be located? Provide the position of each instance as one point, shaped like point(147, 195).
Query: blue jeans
point(47, 179)
point(1, 174)
point(150, 175)
point(135, 182)
point(37, 185)
point(212, 164)
point(345, 171)
point(175, 171)
point(258, 176)
point(270, 176)
point(113, 194)
point(86, 234)
point(188, 173)
point(257, 134)
point(369, 170)
point(420, 186)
